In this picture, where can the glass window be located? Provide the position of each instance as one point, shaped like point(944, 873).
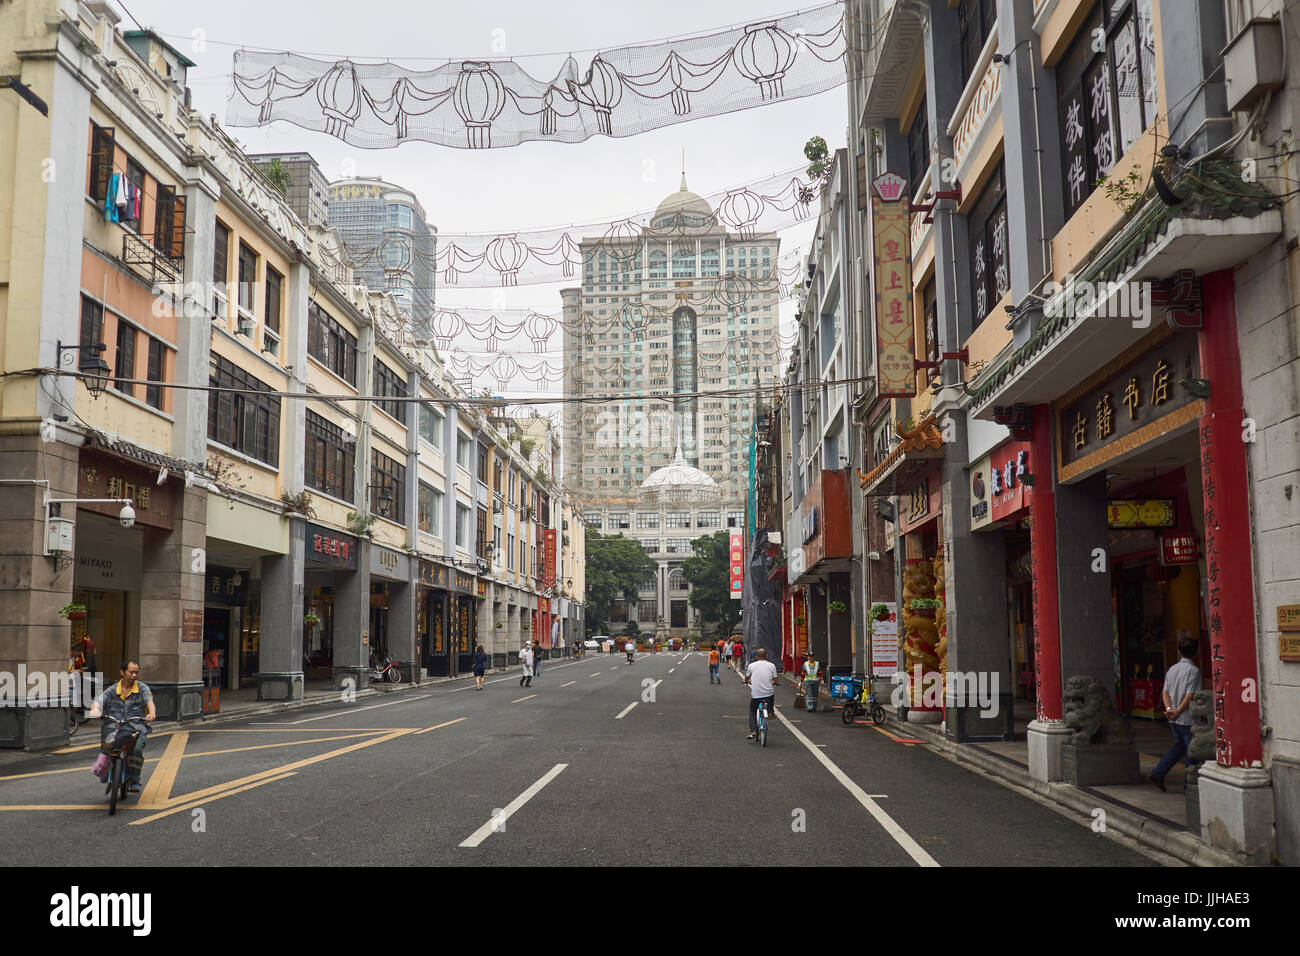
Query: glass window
point(431, 426)
point(329, 458)
point(331, 344)
point(658, 264)
point(247, 276)
point(735, 519)
point(462, 526)
point(124, 366)
point(647, 519)
point(245, 419)
point(388, 382)
point(274, 283)
point(155, 372)
point(387, 487)
point(92, 325)
point(918, 150)
point(651, 545)
point(990, 260)
point(617, 520)
point(464, 451)
point(429, 509)
point(1106, 98)
point(975, 21)
point(677, 519)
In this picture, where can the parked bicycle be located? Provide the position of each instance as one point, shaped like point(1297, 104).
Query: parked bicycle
point(386, 670)
point(118, 745)
point(863, 705)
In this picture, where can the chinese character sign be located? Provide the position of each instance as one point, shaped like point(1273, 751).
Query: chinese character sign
point(548, 568)
point(735, 551)
point(895, 334)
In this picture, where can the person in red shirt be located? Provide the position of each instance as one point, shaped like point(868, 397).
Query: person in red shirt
point(738, 656)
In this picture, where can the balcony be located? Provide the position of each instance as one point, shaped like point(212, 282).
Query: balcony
point(148, 261)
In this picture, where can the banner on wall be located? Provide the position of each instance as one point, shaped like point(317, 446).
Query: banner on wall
point(736, 560)
point(884, 643)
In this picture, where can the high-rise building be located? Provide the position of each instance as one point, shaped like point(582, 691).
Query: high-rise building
point(392, 245)
point(306, 191)
point(662, 321)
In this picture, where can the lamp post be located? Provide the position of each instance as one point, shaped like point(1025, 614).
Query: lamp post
point(93, 369)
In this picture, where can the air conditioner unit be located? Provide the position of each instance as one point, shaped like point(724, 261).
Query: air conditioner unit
point(59, 535)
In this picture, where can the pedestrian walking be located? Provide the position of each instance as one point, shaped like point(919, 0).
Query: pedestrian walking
point(811, 683)
point(738, 657)
point(713, 667)
point(1181, 683)
point(537, 658)
point(480, 664)
point(726, 653)
point(526, 662)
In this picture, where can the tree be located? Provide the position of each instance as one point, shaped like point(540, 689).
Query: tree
point(708, 572)
point(278, 176)
point(616, 566)
point(633, 629)
point(817, 150)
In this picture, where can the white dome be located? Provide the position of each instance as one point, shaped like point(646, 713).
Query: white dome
point(683, 210)
point(679, 481)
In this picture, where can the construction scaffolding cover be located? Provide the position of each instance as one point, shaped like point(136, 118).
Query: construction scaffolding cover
point(760, 604)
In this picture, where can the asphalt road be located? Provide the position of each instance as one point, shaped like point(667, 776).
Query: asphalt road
point(598, 763)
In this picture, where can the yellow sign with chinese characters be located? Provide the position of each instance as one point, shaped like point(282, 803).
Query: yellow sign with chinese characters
point(895, 329)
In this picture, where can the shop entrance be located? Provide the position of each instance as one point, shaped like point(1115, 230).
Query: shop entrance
point(105, 624)
point(217, 637)
point(678, 612)
point(435, 652)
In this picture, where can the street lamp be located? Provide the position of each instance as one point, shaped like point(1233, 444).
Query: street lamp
point(94, 370)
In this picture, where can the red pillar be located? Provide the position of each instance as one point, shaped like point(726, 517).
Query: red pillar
point(1226, 499)
point(1042, 547)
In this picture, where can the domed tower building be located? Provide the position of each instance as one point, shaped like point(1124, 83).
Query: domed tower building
point(666, 315)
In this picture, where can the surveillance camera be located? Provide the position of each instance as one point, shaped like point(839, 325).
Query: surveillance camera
point(126, 516)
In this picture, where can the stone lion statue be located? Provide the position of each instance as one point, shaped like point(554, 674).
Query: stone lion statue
point(1089, 713)
point(1202, 711)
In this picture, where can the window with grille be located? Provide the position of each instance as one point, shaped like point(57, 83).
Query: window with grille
point(331, 344)
point(389, 383)
point(329, 459)
point(248, 419)
point(387, 487)
point(124, 365)
point(155, 372)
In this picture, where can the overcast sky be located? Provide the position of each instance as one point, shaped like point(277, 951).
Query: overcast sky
point(523, 187)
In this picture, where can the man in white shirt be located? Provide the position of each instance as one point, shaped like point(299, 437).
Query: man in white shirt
point(631, 649)
point(526, 662)
point(761, 678)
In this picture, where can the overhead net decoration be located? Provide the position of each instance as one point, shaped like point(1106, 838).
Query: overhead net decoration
point(482, 104)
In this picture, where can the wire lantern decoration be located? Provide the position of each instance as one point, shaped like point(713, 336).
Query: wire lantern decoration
point(486, 104)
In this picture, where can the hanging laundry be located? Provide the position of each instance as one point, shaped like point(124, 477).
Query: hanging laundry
point(110, 198)
point(128, 212)
point(139, 200)
point(122, 192)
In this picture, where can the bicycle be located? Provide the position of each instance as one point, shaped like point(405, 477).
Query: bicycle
point(389, 670)
point(762, 722)
point(119, 746)
point(853, 708)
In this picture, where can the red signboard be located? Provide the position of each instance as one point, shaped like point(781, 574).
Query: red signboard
point(548, 565)
point(735, 551)
point(1177, 549)
point(1008, 494)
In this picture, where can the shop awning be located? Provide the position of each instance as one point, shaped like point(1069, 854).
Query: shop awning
point(122, 448)
point(1220, 222)
point(898, 472)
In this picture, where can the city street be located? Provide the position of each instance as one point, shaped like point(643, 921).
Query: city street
point(586, 767)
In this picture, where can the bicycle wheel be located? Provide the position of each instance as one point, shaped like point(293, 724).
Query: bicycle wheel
point(762, 725)
point(73, 723)
point(847, 714)
point(114, 772)
point(394, 674)
point(878, 714)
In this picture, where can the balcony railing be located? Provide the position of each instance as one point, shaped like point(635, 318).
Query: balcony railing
point(152, 264)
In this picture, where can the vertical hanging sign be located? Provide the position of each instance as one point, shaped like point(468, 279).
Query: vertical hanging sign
point(895, 331)
point(548, 559)
point(735, 550)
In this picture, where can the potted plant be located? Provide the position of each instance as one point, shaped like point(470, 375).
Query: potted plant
point(837, 607)
point(499, 625)
point(925, 606)
point(880, 612)
point(73, 611)
point(310, 619)
point(799, 620)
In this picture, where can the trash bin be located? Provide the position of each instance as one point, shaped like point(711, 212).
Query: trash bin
point(211, 690)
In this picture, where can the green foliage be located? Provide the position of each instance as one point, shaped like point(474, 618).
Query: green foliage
point(73, 608)
point(526, 446)
point(708, 573)
point(360, 524)
point(837, 607)
point(616, 566)
point(633, 629)
point(925, 604)
point(278, 176)
point(817, 151)
point(310, 619)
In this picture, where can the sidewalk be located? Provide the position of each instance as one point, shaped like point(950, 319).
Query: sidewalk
point(238, 704)
point(1140, 813)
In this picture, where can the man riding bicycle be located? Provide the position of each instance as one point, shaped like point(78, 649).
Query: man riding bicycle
point(128, 700)
point(761, 678)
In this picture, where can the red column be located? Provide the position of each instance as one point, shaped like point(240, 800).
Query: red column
point(1042, 548)
point(1226, 499)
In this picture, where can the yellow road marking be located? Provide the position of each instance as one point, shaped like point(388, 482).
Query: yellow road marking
point(298, 730)
point(189, 806)
point(438, 726)
point(290, 743)
point(95, 746)
point(297, 765)
point(569, 684)
point(46, 773)
point(522, 699)
point(895, 739)
point(159, 787)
